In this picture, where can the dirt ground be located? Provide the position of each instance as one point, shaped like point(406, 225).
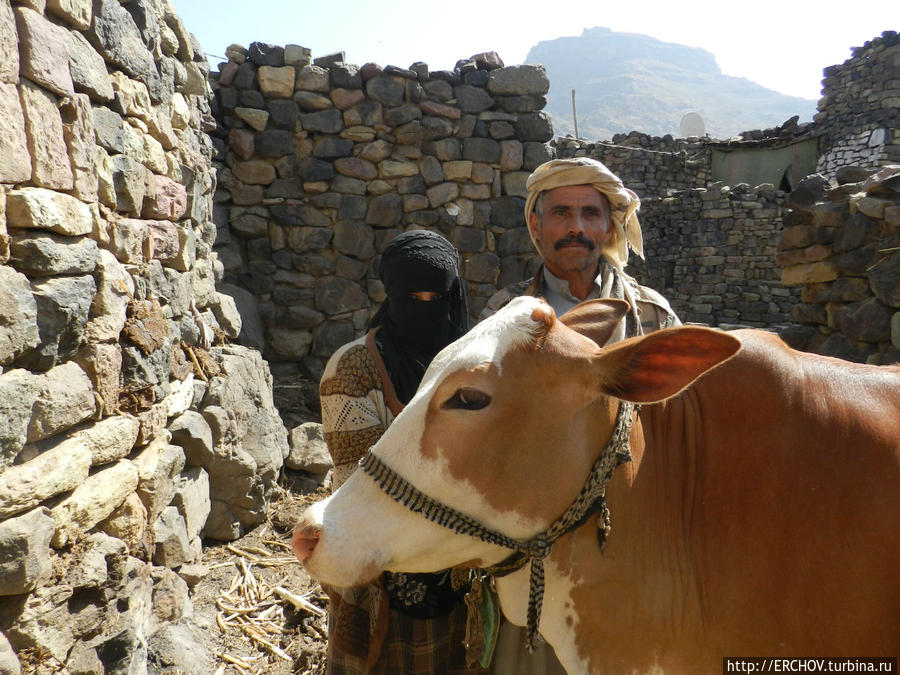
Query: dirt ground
point(257, 609)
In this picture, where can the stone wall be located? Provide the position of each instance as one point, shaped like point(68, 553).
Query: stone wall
point(859, 111)
point(842, 247)
point(709, 247)
point(711, 252)
point(128, 428)
point(323, 162)
point(317, 175)
point(652, 166)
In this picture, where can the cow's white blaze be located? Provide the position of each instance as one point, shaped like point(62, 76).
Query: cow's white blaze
point(353, 548)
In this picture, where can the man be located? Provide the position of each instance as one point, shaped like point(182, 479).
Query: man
point(583, 220)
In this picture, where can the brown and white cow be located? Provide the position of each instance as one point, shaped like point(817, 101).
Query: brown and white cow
point(760, 515)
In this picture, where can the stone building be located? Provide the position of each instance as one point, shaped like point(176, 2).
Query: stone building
point(859, 113)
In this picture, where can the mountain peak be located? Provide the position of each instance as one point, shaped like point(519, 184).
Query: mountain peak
point(627, 81)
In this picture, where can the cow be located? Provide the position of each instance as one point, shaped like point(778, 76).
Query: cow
point(757, 515)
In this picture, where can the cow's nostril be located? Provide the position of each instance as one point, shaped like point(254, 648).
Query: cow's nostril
point(305, 539)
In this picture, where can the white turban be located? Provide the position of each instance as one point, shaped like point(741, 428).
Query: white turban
point(625, 230)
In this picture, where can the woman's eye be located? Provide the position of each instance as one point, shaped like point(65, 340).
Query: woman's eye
point(425, 296)
point(468, 399)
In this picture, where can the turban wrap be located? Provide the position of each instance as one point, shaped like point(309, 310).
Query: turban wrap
point(625, 230)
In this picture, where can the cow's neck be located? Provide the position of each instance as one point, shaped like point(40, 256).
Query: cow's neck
point(639, 591)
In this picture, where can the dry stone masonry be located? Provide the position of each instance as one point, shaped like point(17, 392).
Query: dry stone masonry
point(316, 179)
point(712, 254)
point(842, 247)
point(709, 247)
point(323, 162)
point(651, 166)
point(859, 112)
point(129, 428)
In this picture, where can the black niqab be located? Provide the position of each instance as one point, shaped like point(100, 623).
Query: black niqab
point(414, 331)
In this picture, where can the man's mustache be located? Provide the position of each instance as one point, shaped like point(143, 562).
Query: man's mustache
point(574, 239)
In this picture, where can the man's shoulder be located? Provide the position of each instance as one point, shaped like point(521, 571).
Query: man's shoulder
point(644, 295)
point(502, 297)
point(647, 294)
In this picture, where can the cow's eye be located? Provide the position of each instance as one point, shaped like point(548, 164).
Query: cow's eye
point(468, 399)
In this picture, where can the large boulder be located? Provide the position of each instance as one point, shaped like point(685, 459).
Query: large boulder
point(93, 501)
point(250, 441)
point(63, 305)
point(53, 472)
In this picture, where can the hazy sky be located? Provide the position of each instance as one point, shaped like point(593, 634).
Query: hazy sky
point(782, 45)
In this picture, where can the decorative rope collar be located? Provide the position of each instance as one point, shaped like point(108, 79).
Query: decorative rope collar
point(591, 499)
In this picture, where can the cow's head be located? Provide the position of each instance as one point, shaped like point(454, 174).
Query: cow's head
point(504, 428)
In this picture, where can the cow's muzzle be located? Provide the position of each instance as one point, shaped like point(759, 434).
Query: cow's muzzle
point(306, 536)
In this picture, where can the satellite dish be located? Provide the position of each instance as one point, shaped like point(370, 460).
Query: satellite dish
point(692, 125)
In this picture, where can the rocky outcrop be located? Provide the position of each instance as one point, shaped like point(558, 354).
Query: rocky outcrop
point(625, 81)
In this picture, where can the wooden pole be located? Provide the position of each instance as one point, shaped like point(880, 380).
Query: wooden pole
point(574, 115)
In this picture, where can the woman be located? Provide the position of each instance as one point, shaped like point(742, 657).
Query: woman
point(404, 623)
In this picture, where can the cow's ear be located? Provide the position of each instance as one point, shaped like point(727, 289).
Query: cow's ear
point(596, 319)
point(658, 366)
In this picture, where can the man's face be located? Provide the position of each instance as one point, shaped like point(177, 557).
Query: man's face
point(572, 230)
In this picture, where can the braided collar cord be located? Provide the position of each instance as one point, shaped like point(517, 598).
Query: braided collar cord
point(591, 498)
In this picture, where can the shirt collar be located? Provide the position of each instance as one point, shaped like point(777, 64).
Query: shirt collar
point(558, 294)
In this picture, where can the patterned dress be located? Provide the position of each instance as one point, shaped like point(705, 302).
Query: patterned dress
point(412, 624)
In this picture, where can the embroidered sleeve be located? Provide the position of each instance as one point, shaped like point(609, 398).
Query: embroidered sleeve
point(354, 415)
